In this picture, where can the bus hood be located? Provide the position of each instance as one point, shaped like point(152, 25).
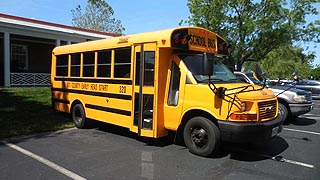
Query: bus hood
point(247, 91)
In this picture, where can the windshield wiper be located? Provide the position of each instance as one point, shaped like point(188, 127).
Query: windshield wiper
point(234, 79)
point(213, 79)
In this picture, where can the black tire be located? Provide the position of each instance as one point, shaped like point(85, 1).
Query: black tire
point(202, 136)
point(78, 116)
point(283, 111)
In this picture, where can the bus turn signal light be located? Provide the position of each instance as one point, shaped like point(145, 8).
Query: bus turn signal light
point(181, 39)
point(243, 117)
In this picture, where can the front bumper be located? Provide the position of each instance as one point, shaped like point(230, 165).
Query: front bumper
point(249, 132)
point(299, 109)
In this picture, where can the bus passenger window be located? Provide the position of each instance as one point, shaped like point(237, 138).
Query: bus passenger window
point(75, 65)
point(122, 62)
point(137, 81)
point(88, 64)
point(62, 65)
point(149, 57)
point(104, 63)
point(173, 96)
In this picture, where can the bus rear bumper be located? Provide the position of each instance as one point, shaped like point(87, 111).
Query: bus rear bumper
point(249, 132)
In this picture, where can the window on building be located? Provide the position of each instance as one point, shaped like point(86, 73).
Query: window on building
point(62, 65)
point(122, 63)
point(88, 64)
point(104, 63)
point(19, 57)
point(75, 65)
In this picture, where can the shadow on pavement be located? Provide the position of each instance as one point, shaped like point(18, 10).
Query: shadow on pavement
point(303, 121)
point(257, 152)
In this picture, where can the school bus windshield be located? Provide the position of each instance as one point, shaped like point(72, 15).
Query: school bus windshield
point(221, 73)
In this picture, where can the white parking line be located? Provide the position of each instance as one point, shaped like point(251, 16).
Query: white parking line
point(314, 116)
point(46, 162)
point(302, 131)
point(147, 167)
point(296, 163)
point(279, 159)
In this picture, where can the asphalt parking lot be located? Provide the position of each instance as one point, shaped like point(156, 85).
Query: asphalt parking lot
point(109, 153)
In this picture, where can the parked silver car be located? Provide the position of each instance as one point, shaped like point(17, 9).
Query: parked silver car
point(309, 85)
point(292, 102)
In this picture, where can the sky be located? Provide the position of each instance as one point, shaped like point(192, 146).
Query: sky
point(135, 15)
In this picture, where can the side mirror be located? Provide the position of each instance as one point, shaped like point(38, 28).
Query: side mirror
point(208, 64)
point(295, 76)
point(258, 73)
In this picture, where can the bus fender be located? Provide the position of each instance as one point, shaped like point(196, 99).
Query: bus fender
point(187, 115)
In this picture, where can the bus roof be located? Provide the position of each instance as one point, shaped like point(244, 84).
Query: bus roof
point(195, 36)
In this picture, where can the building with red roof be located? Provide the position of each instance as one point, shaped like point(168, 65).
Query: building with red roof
point(26, 46)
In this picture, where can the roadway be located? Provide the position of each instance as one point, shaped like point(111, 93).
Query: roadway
point(111, 153)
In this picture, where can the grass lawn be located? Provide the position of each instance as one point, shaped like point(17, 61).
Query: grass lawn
point(26, 111)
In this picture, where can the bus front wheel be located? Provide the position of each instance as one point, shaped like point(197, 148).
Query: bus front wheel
point(201, 136)
point(78, 116)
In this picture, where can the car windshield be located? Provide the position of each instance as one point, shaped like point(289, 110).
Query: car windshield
point(221, 72)
point(254, 80)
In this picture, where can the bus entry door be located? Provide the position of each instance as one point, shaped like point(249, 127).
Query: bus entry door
point(144, 122)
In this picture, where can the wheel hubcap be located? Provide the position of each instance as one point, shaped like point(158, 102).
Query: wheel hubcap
point(199, 137)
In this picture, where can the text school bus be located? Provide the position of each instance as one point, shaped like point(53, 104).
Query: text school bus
point(156, 82)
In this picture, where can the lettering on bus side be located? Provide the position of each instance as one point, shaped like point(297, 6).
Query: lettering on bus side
point(197, 40)
point(211, 43)
point(103, 87)
point(88, 86)
point(122, 89)
point(75, 85)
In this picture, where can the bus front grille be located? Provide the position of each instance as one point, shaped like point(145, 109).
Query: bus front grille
point(267, 110)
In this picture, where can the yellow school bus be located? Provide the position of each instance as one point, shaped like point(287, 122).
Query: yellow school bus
point(164, 81)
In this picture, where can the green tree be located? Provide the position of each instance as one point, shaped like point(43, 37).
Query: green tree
point(256, 27)
point(283, 61)
point(96, 16)
point(315, 73)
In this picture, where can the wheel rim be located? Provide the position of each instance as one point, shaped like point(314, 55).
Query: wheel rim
point(77, 116)
point(281, 113)
point(199, 137)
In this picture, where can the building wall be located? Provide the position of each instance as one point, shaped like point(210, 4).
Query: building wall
point(38, 39)
point(1, 60)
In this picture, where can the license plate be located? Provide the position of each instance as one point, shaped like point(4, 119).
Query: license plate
point(275, 131)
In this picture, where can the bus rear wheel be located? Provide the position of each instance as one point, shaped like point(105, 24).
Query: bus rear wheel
point(78, 116)
point(201, 136)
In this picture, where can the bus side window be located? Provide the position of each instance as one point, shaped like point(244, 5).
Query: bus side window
point(122, 62)
point(62, 65)
point(173, 96)
point(149, 57)
point(104, 63)
point(149, 60)
point(75, 65)
point(88, 64)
